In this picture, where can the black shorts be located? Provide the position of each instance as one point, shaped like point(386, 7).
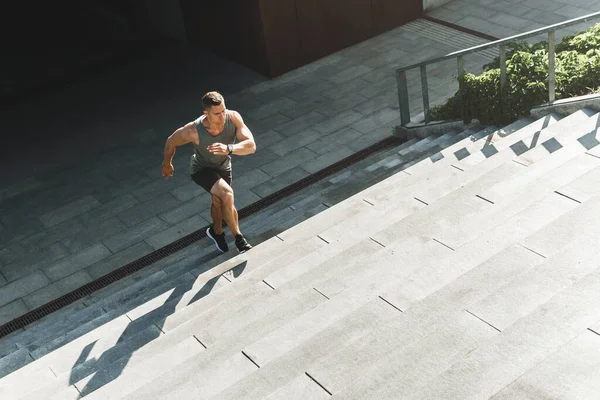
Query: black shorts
point(207, 177)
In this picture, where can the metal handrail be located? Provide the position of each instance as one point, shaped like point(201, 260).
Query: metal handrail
point(550, 29)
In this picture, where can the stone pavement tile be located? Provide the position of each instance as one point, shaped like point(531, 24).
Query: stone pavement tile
point(160, 186)
point(507, 7)
point(446, 14)
point(175, 232)
point(265, 138)
point(341, 120)
point(332, 141)
point(265, 110)
point(382, 73)
point(135, 234)
point(243, 199)
point(109, 209)
point(76, 262)
point(56, 289)
point(548, 6)
point(34, 261)
point(119, 259)
point(571, 11)
point(12, 310)
point(479, 25)
point(17, 227)
point(96, 232)
point(307, 92)
point(147, 209)
point(295, 141)
point(386, 85)
point(46, 237)
point(515, 22)
point(262, 157)
point(3, 280)
point(340, 91)
point(69, 211)
point(246, 179)
point(291, 160)
point(188, 191)
point(280, 181)
point(375, 104)
point(309, 105)
point(543, 15)
point(13, 251)
point(350, 73)
point(327, 159)
point(22, 287)
point(340, 106)
point(272, 120)
point(375, 120)
point(186, 210)
point(122, 187)
point(300, 124)
point(372, 137)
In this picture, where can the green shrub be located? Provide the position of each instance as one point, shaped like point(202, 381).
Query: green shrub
point(577, 73)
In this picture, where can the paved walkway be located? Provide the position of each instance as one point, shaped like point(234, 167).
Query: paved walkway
point(82, 192)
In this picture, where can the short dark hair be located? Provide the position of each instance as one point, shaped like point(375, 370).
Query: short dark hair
point(212, 99)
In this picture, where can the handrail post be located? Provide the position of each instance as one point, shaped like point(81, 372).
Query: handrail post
point(551, 66)
point(502, 69)
point(461, 89)
point(403, 98)
point(425, 92)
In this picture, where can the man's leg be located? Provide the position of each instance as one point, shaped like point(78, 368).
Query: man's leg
point(224, 193)
point(207, 178)
point(216, 211)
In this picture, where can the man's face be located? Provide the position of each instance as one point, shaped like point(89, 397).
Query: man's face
point(216, 114)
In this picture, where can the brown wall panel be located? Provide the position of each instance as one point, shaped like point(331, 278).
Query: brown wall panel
point(280, 33)
point(231, 29)
point(276, 36)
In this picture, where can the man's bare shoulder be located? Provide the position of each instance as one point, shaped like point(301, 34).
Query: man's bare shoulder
point(236, 116)
point(190, 131)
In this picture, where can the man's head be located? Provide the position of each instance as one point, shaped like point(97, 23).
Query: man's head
point(214, 107)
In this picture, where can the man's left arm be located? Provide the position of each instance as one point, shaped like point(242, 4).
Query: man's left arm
point(245, 144)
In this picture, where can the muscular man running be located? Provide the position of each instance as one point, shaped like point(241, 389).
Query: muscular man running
point(213, 135)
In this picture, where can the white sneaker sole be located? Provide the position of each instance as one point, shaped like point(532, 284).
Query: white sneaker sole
point(214, 240)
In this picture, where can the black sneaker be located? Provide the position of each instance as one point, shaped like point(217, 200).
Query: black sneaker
point(242, 244)
point(218, 239)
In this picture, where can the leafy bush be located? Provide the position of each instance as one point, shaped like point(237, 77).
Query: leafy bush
point(577, 73)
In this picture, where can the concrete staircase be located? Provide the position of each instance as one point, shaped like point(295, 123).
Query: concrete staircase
point(459, 266)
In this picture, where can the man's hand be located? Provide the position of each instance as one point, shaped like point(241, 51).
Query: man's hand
point(218, 149)
point(167, 170)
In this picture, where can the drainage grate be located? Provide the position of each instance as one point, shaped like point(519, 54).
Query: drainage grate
point(185, 241)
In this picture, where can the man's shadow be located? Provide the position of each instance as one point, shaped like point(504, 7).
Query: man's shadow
point(141, 326)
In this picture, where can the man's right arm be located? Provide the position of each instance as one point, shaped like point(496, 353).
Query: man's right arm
point(181, 136)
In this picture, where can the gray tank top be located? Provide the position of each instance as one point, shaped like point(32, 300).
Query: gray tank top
point(202, 157)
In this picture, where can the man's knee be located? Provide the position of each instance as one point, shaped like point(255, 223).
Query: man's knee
point(223, 194)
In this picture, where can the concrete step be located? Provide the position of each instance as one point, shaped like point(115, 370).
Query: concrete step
point(490, 368)
point(268, 348)
point(496, 310)
point(576, 362)
point(113, 337)
point(445, 271)
point(270, 341)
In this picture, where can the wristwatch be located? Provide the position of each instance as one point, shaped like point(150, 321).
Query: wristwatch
point(230, 148)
